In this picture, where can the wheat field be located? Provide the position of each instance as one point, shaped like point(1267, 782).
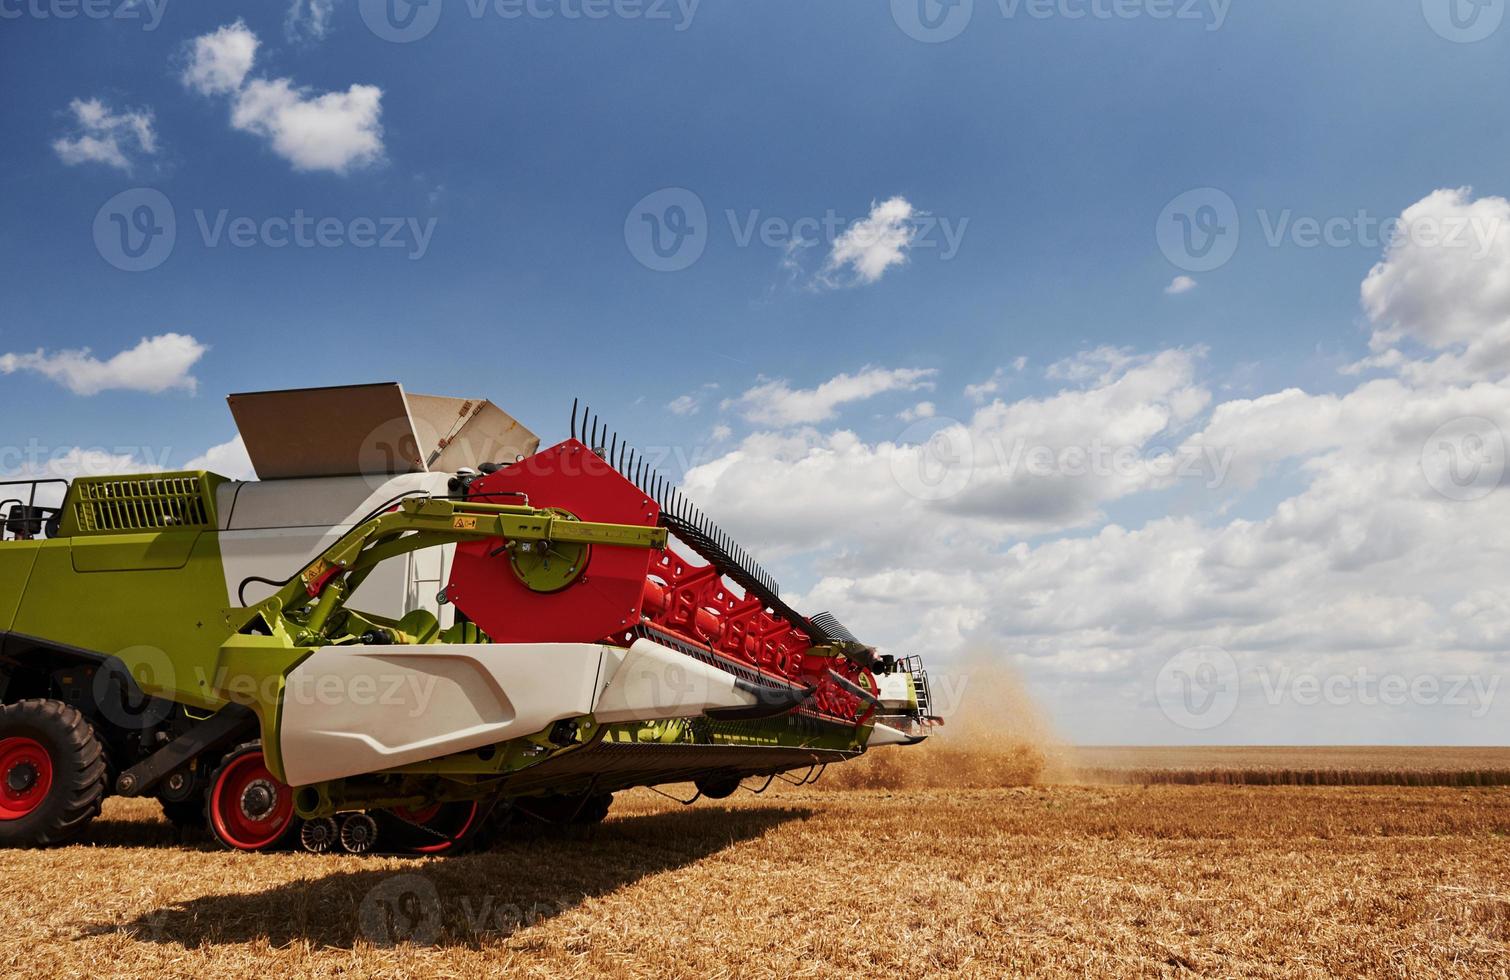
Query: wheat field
point(1073, 880)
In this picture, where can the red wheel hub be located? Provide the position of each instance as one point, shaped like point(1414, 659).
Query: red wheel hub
point(249, 808)
point(25, 776)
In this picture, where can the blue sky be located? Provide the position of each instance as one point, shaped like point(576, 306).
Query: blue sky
point(524, 146)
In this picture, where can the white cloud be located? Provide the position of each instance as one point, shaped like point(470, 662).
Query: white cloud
point(1181, 284)
point(336, 131)
point(101, 135)
point(229, 459)
point(331, 131)
point(157, 364)
point(872, 245)
point(1363, 565)
point(308, 19)
point(922, 410)
point(1444, 283)
point(777, 403)
point(1096, 365)
point(1348, 556)
point(683, 405)
point(219, 61)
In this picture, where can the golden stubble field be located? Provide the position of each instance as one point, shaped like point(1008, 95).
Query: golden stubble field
point(991, 851)
point(1081, 880)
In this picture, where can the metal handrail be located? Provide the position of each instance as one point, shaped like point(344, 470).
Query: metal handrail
point(31, 503)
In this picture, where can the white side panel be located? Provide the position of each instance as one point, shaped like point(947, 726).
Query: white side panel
point(324, 502)
point(273, 529)
point(895, 690)
point(886, 735)
point(353, 710)
point(656, 682)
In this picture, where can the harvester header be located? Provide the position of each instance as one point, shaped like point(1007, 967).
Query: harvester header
point(551, 626)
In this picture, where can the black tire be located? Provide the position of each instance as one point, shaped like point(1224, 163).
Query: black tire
point(595, 810)
point(75, 768)
point(185, 814)
point(565, 810)
point(718, 787)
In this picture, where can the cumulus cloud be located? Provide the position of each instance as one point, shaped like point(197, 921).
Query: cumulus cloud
point(308, 19)
point(1181, 284)
point(220, 61)
point(683, 405)
point(331, 131)
point(102, 135)
point(1444, 284)
point(1325, 533)
point(336, 131)
point(157, 364)
point(779, 404)
point(229, 459)
point(866, 249)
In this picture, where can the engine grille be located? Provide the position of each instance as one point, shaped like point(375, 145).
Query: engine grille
point(140, 504)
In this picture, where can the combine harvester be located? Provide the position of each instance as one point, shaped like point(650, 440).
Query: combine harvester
point(415, 629)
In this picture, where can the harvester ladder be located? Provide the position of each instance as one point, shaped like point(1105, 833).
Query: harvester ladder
point(914, 666)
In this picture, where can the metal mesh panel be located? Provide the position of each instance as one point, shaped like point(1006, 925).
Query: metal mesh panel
point(145, 504)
